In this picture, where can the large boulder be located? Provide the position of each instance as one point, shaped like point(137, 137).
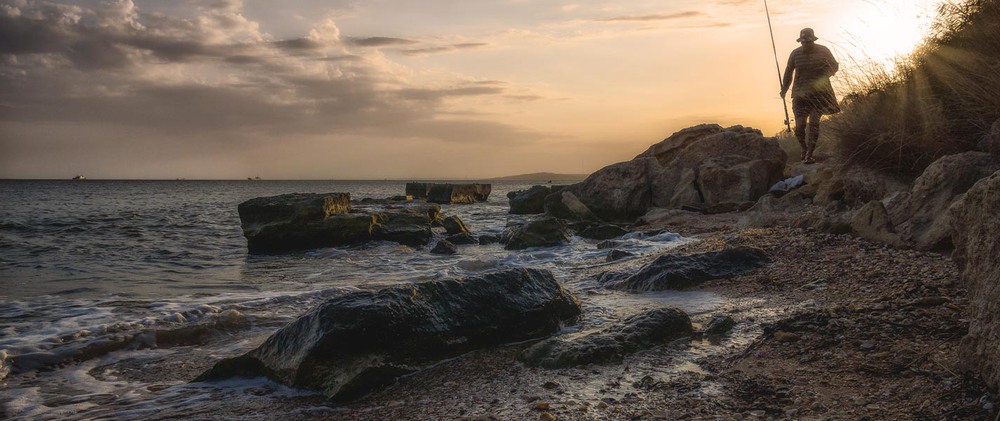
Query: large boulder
point(545, 232)
point(618, 192)
point(855, 186)
point(708, 164)
point(565, 205)
point(679, 271)
point(699, 166)
point(872, 222)
point(300, 221)
point(977, 251)
point(458, 193)
point(357, 343)
point(410, 226)
point(528, 202)
point(612, 344)
point(919, 216)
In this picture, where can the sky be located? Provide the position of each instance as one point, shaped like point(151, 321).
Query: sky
point(398, 89)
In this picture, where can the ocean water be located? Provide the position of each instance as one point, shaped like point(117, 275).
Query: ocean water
point(99, 276)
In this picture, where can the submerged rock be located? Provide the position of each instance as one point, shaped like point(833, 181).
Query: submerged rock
point(603, 232)
point(613, 343)
point(678, 271)
point(720, 325)
point(354, 344)
point(977, 251)
point(616, 255)
point(546, 232)
point(444, 247)
point(462, 239)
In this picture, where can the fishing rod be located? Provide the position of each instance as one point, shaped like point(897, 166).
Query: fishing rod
point(784, 103)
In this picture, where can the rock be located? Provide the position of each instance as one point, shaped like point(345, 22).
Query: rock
point(615, 255)
point(706, 165)
point(458, 193)
point(977, 251)
point(400, 198)
point(301, 221)
point(444, 247)
point(720, 325)
point(678, 271)
point(856, 186)
point(603, 232)
point(786, 337)
point(454, 225)
point(612, 344)
point(656, 216)
point(546, 232)
point(608, 244)
point(462, 239)
point(872, 222)
point(737, 178)
point(418, 190)
point(528, 202)
point(488, 239)
point(618, 192)
point(565, 205)
point(359, 342)
point(919, 216)
point(410, 226)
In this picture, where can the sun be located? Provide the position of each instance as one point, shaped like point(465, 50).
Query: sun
point(887, 30)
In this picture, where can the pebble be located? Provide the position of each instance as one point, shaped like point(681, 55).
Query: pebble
point(867, 345)
point(546, 416)
point(541, 406)
point(551, 385)
point(785, 337)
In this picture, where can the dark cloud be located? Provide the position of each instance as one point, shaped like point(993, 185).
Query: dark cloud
point(438, 94)
point(213, 78)
point(443, 49)
point(381, 42)
point(648, 18)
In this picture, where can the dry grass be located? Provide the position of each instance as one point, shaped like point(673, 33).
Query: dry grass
point(941, 100)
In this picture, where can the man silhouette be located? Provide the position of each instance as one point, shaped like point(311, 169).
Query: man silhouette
point(812, 94)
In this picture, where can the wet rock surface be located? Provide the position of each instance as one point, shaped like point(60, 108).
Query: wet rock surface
point(613, 343)
point(360, 342)
point(528, 202)
point(545, 232)
point(672, 271)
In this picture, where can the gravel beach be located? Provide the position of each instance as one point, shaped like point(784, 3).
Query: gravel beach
point(836, 328)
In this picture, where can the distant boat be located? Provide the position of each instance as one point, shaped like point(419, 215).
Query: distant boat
point(79, 178)
point(257, 178)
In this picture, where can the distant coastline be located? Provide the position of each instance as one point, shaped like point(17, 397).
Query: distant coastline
point(541, 176)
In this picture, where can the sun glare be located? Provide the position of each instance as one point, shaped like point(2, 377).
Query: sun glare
point(886, 30)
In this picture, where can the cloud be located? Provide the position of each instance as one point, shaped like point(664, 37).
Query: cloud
point(212, 74)
point(381, 42)
point(655, 17)
point(443, 49)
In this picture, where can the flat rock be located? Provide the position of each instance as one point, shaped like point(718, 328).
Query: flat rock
point(612, 344)
point(360, 342)
point(679, 271)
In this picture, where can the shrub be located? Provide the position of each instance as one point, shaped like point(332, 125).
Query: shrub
point(941, 100)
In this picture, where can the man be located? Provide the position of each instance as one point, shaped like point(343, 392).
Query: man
point(812, 94)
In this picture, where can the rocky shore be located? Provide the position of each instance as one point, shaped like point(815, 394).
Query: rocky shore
point(836, 328)
point(842, 298)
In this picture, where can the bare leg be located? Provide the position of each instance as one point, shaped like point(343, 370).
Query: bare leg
point(813, 134)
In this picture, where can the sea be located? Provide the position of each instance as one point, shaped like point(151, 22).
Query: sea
point(110, 291)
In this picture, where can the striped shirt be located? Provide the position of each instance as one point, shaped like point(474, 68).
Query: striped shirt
point(812, 65)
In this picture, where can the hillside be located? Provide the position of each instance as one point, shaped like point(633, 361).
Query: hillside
point(542, 176)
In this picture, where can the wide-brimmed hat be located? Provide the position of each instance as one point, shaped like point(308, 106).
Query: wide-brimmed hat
point(807, 34)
